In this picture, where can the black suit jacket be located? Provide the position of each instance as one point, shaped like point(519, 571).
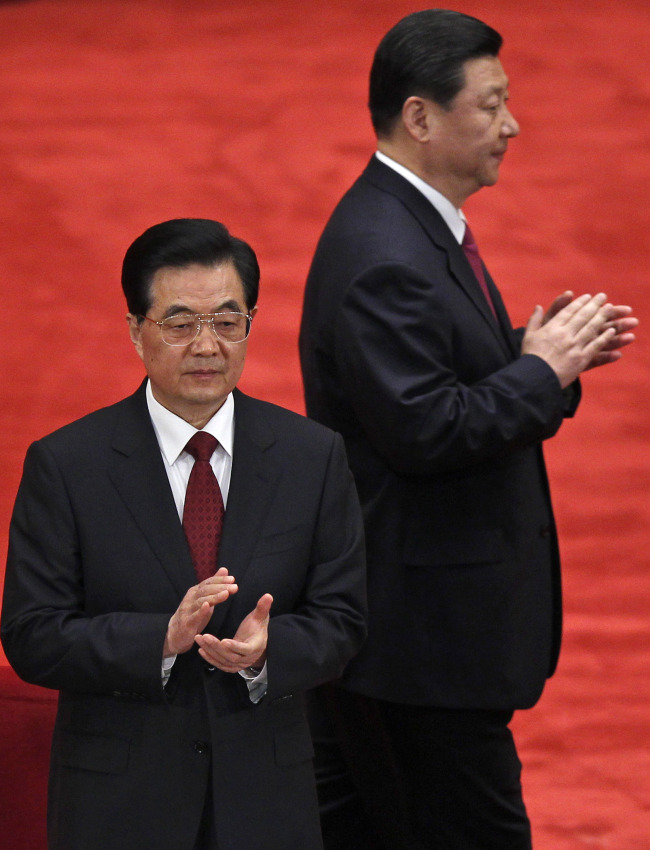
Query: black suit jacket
point(443, 422)
point(97, 564)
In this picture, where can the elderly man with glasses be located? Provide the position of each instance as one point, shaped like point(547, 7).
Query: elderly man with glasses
point(183, 565)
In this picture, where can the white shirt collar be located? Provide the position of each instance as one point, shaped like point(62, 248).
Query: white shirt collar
point(173, 432)
point(454, 218)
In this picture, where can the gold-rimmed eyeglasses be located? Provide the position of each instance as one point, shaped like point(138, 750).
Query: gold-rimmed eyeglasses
point(183, 328)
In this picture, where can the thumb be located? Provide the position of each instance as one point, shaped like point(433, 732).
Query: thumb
point(536, 320)
point(263, 606)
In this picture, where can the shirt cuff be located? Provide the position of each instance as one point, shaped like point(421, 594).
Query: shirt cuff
point(166, 668)
point(257, 685)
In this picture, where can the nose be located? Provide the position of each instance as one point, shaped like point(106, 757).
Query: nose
point(206, 341)
point(510, 126)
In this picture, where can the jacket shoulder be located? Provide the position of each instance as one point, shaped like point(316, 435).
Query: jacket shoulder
point(91, 427)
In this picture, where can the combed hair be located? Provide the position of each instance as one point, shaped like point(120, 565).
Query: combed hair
point(423, 56)
point(184, 242)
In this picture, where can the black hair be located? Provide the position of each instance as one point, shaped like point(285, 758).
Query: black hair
point(423, 55)
point(183, 242)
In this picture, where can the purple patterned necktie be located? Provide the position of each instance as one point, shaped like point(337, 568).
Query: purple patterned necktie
point(203, 511)
point(470, 248)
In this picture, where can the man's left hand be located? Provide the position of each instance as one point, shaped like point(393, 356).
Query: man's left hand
point(247, 648)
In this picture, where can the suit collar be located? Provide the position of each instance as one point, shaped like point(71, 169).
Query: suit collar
point(453, 218)
point(173, 432)
point(388, 180)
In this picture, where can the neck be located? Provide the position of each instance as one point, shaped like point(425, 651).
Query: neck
point(409, 157)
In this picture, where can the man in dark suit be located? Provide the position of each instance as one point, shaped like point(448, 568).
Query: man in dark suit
point(181, 720)
point(408, 352)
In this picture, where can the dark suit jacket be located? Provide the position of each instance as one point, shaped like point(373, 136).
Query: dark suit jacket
point(443, 422)
point(98, 562)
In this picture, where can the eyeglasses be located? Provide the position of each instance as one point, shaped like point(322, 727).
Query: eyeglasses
point(185, 327)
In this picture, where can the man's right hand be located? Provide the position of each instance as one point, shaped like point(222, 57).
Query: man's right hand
point(572, 337)
point(194, 612)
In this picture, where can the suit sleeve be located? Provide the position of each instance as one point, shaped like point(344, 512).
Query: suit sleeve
point(571, 394)
point(427, 395)
point(313, 644)
point(48, 635)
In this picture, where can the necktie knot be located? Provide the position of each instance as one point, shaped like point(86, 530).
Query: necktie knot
point(202, 445)
point(469, 243)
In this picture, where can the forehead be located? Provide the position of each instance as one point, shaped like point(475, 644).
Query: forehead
point(197, 288)
point(483, 76)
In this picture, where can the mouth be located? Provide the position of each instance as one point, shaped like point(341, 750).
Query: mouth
point(202, 373)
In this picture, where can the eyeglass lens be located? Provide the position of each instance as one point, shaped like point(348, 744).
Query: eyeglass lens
point(183, 329)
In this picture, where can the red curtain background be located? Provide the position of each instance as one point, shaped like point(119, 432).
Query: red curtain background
point(117, 114)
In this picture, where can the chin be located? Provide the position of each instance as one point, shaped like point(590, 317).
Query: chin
point(490, 179)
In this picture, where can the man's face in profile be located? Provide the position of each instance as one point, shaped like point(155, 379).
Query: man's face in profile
point(471, 136)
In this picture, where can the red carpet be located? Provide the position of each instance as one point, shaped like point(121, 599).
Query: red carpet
point(119, 114)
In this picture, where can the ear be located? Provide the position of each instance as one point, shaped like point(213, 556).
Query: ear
point(418, 118)
point(135, 332)
point(253, 312)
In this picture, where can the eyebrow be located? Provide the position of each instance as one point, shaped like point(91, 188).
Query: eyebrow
point(228, 306)
point(496, 89)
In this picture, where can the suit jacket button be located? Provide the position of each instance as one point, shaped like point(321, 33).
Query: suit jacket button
point(201, 747)
point(545, 531)
point(210, 669)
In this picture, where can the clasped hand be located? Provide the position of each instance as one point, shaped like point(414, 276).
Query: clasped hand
point(247, 648)
point(577, 334)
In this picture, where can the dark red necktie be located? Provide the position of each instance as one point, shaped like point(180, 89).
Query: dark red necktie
point(203, 511)
point(471, 252)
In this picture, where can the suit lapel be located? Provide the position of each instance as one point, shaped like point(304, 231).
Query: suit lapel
point(438, 232)
point(504, 319)
point(140, 478)
point(253, 485)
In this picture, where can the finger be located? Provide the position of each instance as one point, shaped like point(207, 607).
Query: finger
point(624, 325)
point(220, 578)
point(584, 310)
point(228, 661)
point(263, 606)
point(536, 320)
point(620, 341)
point(214, 595)
point(600, 343)
point(221, 596)
point(621, 311)
point(208, 642)
point(201, 615)
point(236, 650)
point(558, 304)
point(566, 313)
point(214, 660)
point(227, 649)
point(190, 623)
point(209, 649)
point(604, 358)
point(590, 323)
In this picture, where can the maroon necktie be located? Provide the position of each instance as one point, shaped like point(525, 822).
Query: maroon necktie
point(203, 511)
point(471, 252)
